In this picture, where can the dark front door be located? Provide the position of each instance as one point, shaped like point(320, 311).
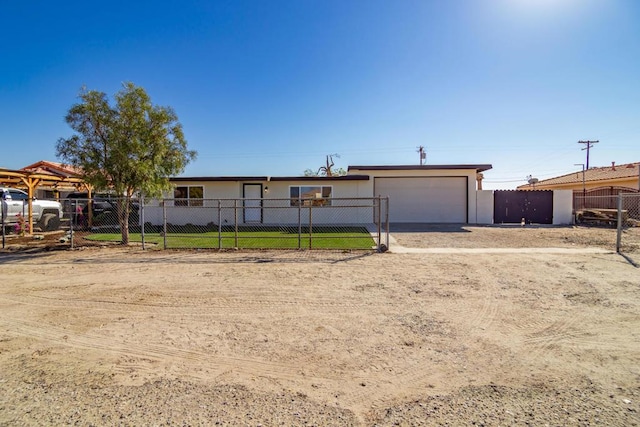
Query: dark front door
point(511, 206)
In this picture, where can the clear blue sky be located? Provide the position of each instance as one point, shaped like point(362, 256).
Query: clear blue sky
point(271, 87)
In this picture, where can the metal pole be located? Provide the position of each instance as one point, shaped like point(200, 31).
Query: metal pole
point(141, 219)
point(379, 200)
point(73, 221)
point(235, 221)
point(219, 224)
point(299, 224)
point(584, 191)
point(164, 222)
point(619, 232)
point(387, 219)
point(310, 230)
point(2, 213)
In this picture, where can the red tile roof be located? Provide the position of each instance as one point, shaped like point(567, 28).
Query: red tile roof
point(52, 168)
point(627, 170)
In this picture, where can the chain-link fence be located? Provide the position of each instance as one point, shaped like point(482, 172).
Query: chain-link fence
point(595, 210)
point(628, 223)
point(620, 210)
point(323, 223)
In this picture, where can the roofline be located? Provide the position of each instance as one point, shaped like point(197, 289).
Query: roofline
point(477, 167)
point(268, 178)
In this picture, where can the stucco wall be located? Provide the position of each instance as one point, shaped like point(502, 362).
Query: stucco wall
point(276, 204)
point(562, 207)
point(484, 207)
point(470, 174)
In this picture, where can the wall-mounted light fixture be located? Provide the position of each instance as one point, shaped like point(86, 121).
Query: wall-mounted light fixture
point(266, 189)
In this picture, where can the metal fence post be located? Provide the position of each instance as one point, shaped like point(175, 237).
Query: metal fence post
point(219, 224)
point(310, 227)
point(164, 223)
point(379, 201)
point(299, 224)
point(235, 221)
point(619, 232)
point(386, 213)
point(3, 225)
point(73, 221)
point(141, 219)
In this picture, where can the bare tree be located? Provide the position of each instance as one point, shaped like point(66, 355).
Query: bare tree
point(327, 169)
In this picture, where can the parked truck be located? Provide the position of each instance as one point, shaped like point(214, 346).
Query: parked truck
point(47, 214)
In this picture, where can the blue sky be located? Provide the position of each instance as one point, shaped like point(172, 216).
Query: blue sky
point(271, 87)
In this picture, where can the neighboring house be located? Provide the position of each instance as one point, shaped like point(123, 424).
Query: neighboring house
point(594, 181)
point(418, 194)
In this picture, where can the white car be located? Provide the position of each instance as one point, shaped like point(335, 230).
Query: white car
point(46, 213)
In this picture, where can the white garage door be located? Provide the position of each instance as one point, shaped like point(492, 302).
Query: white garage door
point(432, 199)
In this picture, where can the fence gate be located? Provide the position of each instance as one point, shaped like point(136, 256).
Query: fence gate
point(510, 206)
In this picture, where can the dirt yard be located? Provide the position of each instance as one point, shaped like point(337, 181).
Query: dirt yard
point(118, 336)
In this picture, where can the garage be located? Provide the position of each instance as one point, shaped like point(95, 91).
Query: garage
point(430, 199)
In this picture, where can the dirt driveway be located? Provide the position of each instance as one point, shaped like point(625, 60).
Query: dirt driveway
point(103, 336)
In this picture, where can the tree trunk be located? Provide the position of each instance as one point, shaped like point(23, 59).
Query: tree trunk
point(123, 218)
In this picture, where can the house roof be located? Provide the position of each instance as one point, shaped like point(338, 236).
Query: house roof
point(478, 167)
point(612, 172)
point(46, 167)
point(39, 175)
point(270, 178)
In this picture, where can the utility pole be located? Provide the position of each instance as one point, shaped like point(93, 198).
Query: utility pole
point(588, 144)
point(423, 154)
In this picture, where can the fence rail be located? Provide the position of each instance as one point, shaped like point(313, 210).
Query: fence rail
point(327, 223)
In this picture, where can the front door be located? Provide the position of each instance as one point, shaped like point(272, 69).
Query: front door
point(252, 194)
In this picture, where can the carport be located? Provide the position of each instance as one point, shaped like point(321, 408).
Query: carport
point(39, 177)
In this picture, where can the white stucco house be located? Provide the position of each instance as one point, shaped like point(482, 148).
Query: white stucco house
point(417, 194)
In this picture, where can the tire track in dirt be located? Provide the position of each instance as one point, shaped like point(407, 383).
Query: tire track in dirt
point(415, 378)
point(190, 308)
point(143, 360)
point(155, 352)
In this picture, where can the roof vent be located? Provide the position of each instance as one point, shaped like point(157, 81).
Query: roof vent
point(613, 166)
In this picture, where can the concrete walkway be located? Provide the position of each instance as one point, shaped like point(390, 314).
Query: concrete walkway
point(397, 249)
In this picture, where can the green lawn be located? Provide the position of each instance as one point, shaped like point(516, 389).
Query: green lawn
point(250, 240)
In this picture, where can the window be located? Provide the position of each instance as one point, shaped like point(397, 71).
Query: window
point(188, 196)
point(18, 195)
point(310, 196)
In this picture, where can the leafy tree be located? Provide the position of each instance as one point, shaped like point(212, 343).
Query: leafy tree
point(327, 169)
point(130, 147)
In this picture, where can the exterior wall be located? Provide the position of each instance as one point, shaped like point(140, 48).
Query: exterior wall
point(279, 195)
point(484, 207)
point(469, 173)
point(562, 207)
point(277, 209)
point(197, 215)
point(276, 204)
